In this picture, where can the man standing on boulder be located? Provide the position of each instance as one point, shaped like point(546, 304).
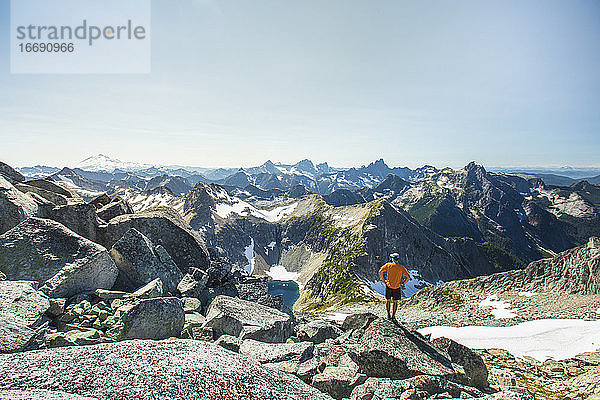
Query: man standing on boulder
point(395, 276)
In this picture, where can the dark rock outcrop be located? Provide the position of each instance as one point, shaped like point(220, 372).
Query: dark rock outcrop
point(140, 262)
point(475, 371)
point(114, 209)
point(63, 262)
point(80, 218)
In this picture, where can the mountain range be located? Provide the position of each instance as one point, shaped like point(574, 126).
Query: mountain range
point(313, 219)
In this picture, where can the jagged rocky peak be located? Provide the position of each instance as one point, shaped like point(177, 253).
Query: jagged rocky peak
point(378, 165)
point(475, 167)
point(268, 167)
point(306, 166)
point(324, 168)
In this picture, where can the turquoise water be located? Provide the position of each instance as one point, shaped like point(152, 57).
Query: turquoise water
point(289, 290)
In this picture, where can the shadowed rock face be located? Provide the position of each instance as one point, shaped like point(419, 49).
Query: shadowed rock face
point(80, 218)
point(140, 262)
point(14, 206)
point(63, 262)
point(157, 318)
point(114, 209)
point(163, 226)
point(169, 369)
point(10, 173)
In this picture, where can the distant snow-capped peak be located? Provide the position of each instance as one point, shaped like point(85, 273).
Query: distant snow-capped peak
point(101, 162)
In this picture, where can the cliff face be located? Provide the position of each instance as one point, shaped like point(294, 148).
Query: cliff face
point(574, 271)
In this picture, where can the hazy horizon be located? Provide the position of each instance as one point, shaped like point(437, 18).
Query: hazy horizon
point(234, 83)
point(315, 162)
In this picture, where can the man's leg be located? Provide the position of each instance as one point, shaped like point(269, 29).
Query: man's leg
point(387, 306)
point(394, 308)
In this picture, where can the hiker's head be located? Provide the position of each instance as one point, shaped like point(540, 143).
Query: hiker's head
point(395, 257)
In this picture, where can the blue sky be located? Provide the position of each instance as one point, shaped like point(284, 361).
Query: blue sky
point(234, 83)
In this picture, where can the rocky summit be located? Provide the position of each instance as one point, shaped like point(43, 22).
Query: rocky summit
point(158, 283)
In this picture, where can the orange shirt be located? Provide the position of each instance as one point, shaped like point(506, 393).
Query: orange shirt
point(394, 274)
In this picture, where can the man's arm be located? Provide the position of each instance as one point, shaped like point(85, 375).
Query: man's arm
point(405, 277)
point(381, 270)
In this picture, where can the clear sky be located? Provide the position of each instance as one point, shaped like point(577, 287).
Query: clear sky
point(234, 83)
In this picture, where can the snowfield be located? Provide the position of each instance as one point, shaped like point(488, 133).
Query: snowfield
point(500, 309)
point(279, 273)
point(541, 339)
point(245, 209)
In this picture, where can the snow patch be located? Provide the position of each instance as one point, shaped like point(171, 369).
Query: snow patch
point(249, 252)
point(279, 273)
point(336, 316)
point(541, 339)
point(271, 245)
point(500, 308)
point(245, 209)
point(527, 294)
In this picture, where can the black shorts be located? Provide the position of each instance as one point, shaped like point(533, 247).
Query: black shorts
point(395, 294)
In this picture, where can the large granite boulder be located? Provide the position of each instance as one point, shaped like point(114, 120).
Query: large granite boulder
point(270, 353)
point(15, 336)
point(163, 226)
point(49, 185)
point(21, 302)
point(317, 331)
point(142, 369)
point(388, 350)
point(48, 190)
point(63, 262)
point(114, 209)
point(15, 206)
point(157, 318)
point(80, 218)
point(358, 321)
point(247, 320)
point(140, 262)
point(10, 174)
